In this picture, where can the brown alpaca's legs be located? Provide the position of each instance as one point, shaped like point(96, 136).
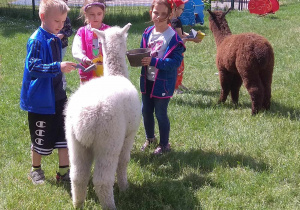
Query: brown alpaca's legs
point(225, 81)
point(255, 90)
point(235, 88)
point(266, 79)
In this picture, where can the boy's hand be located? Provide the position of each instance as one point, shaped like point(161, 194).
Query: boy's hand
point(60, 36)
point(67, 66)
point(146, 61)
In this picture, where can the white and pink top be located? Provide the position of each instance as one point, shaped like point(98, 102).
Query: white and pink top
point(87, 45)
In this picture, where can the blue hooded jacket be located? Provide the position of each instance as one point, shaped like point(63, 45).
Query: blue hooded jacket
point(38, 91)
point(167, 66)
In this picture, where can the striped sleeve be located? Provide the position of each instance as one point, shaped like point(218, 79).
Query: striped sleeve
point(36, 61)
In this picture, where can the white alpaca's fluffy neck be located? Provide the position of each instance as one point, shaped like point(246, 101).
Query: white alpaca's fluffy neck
point(114, 56)
point(115, 64)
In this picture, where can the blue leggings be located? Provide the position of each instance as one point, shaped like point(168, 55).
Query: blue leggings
point(160, 106)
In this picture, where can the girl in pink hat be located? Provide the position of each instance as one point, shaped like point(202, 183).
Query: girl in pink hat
point(177, 26)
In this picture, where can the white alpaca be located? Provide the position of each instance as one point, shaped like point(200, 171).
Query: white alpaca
point(102, 118)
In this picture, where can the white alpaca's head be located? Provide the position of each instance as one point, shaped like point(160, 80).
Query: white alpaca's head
point(114, 46)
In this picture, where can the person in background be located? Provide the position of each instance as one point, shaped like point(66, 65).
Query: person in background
point(87, 48)
point(177, 26)
point(64, 34)
point(158, 74)
point(42, 93)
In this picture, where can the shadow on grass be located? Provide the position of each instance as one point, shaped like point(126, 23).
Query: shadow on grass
point(66, 186)
point(198, 159)
point(284, 111)
point(91, 194)
point(276, 109)
point(161, 194)
point(194, 98)
point(173, 187)
point(215, 93)
point(172, 180)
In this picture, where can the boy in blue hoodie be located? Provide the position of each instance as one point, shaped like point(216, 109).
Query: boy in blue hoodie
point(42, 93)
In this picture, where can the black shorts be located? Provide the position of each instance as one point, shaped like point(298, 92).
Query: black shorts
point(47, 131)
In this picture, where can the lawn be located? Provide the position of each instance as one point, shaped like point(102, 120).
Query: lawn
point(222, 157)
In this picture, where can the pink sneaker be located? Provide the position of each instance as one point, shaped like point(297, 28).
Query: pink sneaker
point(162, 149)
point(148, 143)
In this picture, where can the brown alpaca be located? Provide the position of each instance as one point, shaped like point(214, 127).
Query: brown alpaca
point(242, 58)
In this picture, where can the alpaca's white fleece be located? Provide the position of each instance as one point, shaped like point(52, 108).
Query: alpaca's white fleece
point(102, 118)
point(99, 104)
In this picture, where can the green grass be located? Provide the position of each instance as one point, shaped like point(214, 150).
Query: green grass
point(222, 158)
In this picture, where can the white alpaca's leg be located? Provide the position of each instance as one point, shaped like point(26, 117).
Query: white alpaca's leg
point(81, 159)
point(123, 162)
point(104, 177)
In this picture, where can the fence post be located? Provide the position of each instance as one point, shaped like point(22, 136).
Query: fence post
point(33, 8)
point(232, 4)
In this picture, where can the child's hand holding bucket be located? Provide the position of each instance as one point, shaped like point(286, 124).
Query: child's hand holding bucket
point(146, 61)
point(200, 35)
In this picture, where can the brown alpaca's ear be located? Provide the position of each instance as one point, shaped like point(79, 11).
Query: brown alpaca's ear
point(210, 12)
point(225, 13)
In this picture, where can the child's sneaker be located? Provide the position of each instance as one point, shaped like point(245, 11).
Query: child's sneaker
point(183, 87)
point(37, 176)
point(162, 149)
point(148, 143)
point(63, 178)
point(178, 91)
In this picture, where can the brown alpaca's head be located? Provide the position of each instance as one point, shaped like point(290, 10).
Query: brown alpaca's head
point(218, 25)
point(217, 21)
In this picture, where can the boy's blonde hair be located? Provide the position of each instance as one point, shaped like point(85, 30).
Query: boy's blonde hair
point(46, 5)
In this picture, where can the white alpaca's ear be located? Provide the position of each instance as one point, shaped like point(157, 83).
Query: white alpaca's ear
point(99, 33)
point(126, 28)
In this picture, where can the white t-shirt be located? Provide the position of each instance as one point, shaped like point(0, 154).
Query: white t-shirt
point(158, 43)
